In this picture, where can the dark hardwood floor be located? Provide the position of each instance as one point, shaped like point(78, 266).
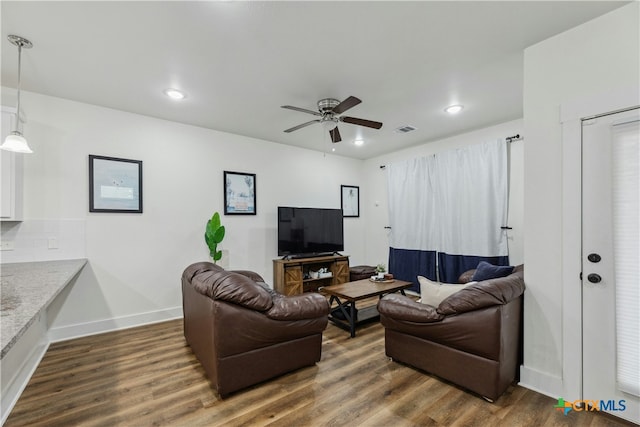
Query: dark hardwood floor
point(149, 376)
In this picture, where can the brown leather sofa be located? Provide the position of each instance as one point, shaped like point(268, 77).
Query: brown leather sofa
point(473, 338)
point(243, 332)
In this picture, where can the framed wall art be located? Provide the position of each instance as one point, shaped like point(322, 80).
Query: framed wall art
point(350, 200)
point(239, 193)
point(115, 185)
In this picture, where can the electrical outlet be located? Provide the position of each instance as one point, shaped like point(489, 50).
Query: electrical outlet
point(6, 245)
point(53, 243)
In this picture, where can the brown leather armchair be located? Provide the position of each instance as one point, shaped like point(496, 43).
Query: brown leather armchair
point(243, 332)
point(473, 338)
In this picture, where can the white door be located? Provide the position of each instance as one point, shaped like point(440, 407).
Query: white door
point(611, 263)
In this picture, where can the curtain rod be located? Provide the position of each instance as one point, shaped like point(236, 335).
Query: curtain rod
point(513, 138)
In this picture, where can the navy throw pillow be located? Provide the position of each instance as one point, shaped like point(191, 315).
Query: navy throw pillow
point(486, 271)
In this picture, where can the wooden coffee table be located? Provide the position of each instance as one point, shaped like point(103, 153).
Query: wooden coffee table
point(346, 295)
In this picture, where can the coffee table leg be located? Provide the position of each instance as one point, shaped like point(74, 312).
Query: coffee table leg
point(352, 319)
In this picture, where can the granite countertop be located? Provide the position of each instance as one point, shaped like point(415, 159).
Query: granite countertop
point(27, 289)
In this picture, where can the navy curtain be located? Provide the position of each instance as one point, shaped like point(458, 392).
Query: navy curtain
point(407, 264)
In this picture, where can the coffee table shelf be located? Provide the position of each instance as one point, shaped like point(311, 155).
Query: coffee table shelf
point(346, 315)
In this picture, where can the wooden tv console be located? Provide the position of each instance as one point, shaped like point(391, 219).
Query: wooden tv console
point(292, 276)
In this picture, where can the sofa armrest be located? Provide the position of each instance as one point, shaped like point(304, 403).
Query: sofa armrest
point(298, 307)
point(403, 308)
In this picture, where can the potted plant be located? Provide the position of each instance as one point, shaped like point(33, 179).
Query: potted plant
point(214, 233)
point(381, 269)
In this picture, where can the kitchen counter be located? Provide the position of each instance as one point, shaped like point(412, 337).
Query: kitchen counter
point(27, 290)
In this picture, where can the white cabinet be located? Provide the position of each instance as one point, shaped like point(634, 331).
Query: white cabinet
point(11, 174)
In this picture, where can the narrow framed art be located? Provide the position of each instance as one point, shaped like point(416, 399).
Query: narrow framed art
point(239, 193)
point(350, 200)
point(115, 185)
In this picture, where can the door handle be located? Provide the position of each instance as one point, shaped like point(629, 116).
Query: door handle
point(594, 278)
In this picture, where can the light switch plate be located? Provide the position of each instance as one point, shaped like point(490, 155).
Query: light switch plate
point(6, 245)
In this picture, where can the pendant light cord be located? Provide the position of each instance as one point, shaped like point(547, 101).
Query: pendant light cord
point(17, 129)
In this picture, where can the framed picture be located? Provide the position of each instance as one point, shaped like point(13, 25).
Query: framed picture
point(350, 200)
point(115, 185)
point(239, 193)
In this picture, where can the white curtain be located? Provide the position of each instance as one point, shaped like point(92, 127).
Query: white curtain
point(412, 209)
point(472, 195)
point(452, 204)
point(626, 235)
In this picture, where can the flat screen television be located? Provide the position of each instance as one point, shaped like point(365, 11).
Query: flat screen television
point(309, 231)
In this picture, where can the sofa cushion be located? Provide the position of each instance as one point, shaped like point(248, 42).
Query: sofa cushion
point(433, 293)
point(486, 271)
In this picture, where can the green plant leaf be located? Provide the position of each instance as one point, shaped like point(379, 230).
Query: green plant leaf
point(214, 233)
point(218, 235)
point(215, 221)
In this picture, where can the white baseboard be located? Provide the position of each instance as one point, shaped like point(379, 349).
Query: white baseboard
point(541, 382)
point(63, 333)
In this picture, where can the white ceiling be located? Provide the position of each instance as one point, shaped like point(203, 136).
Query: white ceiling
point(239, 62)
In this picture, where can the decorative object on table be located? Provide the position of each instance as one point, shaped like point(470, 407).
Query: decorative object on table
point(115, 185)
point(377, 279)
point(15, 141)
point(239, 193)
point(380, 270)
point(213, 235)
point(350, 200)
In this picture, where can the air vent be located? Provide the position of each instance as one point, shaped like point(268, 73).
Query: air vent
point(405, 129)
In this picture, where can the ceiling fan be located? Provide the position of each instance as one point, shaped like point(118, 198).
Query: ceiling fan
point(329, 111)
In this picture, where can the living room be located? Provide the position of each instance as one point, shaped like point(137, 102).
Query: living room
point(135, 260)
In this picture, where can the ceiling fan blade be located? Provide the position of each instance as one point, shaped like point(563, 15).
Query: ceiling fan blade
point(350, 102)
point(361, 122)
point(302, 125)
point(303, 110)
point(335, 135)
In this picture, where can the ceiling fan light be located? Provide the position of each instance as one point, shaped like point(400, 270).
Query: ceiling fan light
point(329, 125)
point(17, 143)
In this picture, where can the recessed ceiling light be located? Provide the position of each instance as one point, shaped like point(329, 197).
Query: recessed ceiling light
point(358, 142)
point(454, 109)
point(174, 94)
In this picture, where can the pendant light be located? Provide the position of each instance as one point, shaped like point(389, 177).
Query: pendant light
point(15, 141)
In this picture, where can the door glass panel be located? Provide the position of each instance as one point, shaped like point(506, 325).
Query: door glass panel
point(626, 238)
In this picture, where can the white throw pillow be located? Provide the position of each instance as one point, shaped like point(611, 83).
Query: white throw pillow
point(433, 293)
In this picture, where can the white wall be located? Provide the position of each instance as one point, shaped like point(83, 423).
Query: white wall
point(136, 260)
point(375, 193)
point(599, 57)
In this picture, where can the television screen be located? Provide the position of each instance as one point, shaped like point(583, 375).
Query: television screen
point(309, 231)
